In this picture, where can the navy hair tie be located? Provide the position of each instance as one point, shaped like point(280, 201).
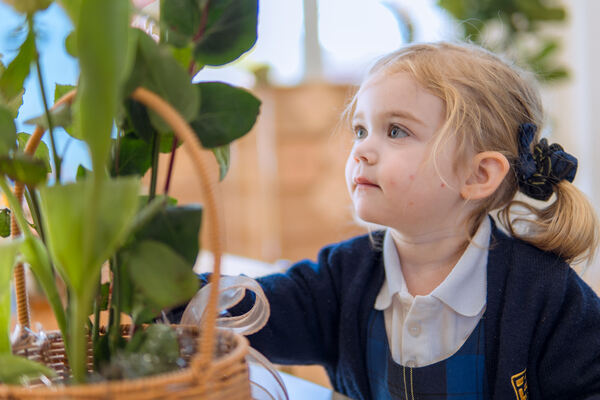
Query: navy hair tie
point(538, 172)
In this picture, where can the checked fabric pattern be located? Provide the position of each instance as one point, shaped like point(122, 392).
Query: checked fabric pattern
point(461, 376)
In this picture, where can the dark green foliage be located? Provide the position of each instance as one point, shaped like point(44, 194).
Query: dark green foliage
point(150, 244)
point(226, 113)
point(520, 21)
point(24, 168)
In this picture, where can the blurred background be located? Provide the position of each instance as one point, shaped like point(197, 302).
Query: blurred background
point(285, 196)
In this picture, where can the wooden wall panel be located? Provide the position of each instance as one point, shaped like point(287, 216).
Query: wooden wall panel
point(285, 195)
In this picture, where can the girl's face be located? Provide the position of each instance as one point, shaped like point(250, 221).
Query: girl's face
point(390, 172)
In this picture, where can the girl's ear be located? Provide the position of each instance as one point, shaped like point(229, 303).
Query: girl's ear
point(488, 170)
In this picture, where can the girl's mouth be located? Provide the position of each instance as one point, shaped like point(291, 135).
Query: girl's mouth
point(362, 182)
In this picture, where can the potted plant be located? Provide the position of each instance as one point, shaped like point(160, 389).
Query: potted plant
point(133, 100)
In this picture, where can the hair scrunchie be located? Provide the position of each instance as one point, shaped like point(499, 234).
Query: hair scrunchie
point(538, 172)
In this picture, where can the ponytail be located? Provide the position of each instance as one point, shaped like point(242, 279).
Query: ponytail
point(568, 227)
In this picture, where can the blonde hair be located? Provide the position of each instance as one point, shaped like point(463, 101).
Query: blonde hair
point(486, 99)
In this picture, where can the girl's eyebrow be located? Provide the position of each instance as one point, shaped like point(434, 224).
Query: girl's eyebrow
point(392, 113)
point(405, 115)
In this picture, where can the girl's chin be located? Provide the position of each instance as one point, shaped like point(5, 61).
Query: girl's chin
point(368, 217)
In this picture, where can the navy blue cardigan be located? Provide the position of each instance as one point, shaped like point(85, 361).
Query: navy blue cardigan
point(541, 318)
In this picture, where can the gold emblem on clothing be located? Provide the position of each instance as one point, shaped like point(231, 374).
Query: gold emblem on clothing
point(519, 384)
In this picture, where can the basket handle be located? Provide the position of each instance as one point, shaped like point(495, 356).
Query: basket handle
point(185, 134)
point(23, 314)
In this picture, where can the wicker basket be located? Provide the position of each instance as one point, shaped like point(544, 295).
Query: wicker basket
point(217, 367)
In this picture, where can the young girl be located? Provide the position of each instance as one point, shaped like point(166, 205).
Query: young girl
point(447, 306)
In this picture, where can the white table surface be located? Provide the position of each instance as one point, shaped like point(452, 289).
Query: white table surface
point(297, 388)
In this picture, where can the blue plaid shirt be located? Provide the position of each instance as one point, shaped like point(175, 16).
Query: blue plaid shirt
point(461, 376)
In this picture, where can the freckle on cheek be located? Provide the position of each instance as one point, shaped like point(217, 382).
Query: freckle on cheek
point(442, 184)
point(410, 203)
point(411, 177)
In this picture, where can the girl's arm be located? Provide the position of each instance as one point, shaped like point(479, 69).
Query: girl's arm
point(304, 322)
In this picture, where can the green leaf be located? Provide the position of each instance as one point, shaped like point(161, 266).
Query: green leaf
point(184, 56)
point(61, 90)
point(102, 46)
point(166, 142)
point(176, 227)
point(14, 104)
point(61, 116)
point(24, 168)
point(71, 44)
point(11, 81)
point(181, 21)
point(230, 32)
point(454, 7)
point(65, 213)
point(549, 48)
point(135, 157)
point(170, 201)
point(553, 74)
point(19, 370)
point(5, 222)
point(157, 70)
point(8, 132)
point(8, 251)
point(537, 11)
point(132, 300)
point(223, 156)
point(82, 172)
point(226, 113)
point(29, 6)
point(163, 276)
point(101, 352)
point(41, 153)
point(139, 120)
point(36, 255)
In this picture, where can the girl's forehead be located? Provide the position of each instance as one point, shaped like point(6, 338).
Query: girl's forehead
point(399, 91)
point(385, 76)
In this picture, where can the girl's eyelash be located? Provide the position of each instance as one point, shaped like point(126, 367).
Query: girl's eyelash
point(405, 132)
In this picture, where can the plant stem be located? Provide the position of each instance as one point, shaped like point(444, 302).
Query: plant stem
point(34, 207)
point(148, 212)
point(191, 69)
point(57, 162)
point(78, 336)
point(154, 176)
point(115, 327)
point(95, 329)
point(203, 21)
point(171, 164)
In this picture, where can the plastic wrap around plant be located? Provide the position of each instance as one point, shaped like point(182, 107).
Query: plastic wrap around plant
point(232, 290)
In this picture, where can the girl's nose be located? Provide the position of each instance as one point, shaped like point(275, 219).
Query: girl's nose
point(365, 152)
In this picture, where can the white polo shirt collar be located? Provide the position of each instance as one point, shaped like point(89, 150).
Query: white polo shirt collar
point(464, 289)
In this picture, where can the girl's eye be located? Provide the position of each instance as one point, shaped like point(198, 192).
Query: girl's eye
point(397, 132)
point(360, 132)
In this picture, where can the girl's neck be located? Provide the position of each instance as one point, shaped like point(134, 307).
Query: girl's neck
point(427, 259)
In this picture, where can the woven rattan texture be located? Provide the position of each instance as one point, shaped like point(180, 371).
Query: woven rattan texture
point(226, 377)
